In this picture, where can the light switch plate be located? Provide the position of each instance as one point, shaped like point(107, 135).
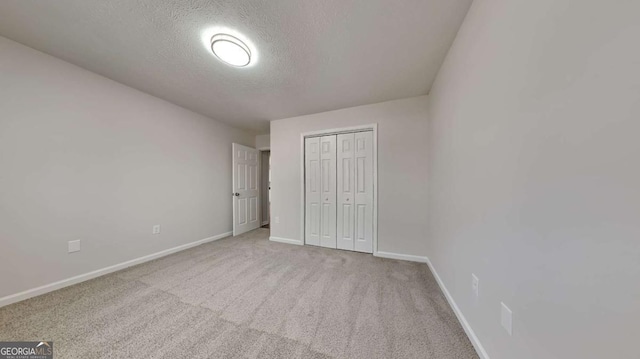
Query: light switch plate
point(74, 246)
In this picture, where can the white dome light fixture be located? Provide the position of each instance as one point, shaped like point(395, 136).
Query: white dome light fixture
point(230, 50)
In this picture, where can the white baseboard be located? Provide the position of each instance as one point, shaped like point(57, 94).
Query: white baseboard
point(463, 321)
point(402, 257)
point(265, 223)
point(286, 240)
point(30, 293)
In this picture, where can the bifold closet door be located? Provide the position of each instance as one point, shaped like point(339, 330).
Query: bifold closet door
point(320, 191)
point(363, 181)
point(312, 191)
point(346, 191)
point(355, 191)
point(328, 191)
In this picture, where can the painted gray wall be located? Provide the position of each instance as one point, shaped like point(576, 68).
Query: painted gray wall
point(83, 157)
point(402, 170)
point(534, 177)
point(263, 142)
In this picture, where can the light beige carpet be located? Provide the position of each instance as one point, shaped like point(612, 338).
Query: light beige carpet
point(247, 297)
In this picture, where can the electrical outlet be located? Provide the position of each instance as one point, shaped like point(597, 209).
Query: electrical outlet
point(74, 246)
point(475, 286)
point(277, 219)
point(156, 229)
point(506, 318)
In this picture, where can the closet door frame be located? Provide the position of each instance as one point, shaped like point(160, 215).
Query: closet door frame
point(336, 131)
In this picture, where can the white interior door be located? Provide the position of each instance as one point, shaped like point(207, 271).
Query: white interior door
point(346, 191)
point(312, 191)
point(363, 182)
point(246, 193)
point(328, 191)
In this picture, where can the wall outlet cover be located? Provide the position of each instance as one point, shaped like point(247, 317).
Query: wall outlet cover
point(155, 229)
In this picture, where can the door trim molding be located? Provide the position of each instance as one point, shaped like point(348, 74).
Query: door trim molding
point(336, 131)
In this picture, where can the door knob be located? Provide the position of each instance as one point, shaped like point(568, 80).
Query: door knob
point(235, 194)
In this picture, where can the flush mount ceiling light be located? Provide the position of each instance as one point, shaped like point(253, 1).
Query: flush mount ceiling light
point(230, 50)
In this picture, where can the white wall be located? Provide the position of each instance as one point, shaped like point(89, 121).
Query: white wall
point(263, 142)
point(534, 183)
point(83, 157)
point(402, 171)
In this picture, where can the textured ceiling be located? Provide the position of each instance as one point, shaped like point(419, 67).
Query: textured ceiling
point(313, 55)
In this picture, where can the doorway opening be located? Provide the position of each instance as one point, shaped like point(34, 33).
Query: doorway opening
point(265, 188)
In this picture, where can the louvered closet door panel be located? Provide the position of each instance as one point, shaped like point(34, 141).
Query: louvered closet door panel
point(313, 203)
point(363, 183)
point(345, 191)
point(328, 191)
